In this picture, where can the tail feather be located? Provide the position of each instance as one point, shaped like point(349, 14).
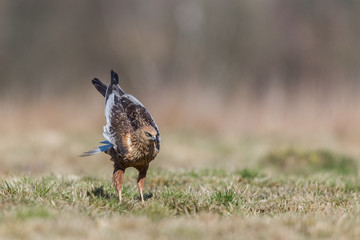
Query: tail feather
point(98, 150)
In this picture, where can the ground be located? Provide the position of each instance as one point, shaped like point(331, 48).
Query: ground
point(201, 186)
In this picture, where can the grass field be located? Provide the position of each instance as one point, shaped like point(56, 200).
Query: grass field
point(206, 204)
point(201, 186)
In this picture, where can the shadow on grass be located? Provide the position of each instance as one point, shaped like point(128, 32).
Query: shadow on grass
point(145, 195)
point(99, 192)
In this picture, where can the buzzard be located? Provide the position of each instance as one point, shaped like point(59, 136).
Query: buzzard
point(132, 136)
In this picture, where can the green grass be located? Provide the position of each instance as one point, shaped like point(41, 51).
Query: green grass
point(201, 186)
point(292, 160)
point(195, 204)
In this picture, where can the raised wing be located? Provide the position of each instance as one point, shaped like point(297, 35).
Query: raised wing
point(118, 128)
point(124, 114)
point(101, 87)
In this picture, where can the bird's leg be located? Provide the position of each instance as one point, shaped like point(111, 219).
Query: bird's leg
point(141, 181)
point(118, 177)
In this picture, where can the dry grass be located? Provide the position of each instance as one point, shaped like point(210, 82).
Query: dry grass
point(206, 184)
point(207, 204)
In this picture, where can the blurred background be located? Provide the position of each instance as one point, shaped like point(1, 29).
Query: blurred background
point(219, 76)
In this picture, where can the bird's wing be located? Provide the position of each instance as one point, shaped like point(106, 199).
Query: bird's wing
point(118, 128)
point(139, 115)
point(101, 87)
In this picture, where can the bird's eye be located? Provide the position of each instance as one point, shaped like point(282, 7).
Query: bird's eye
point(148, 134)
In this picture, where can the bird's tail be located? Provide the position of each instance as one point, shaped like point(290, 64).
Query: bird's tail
point(100, 149)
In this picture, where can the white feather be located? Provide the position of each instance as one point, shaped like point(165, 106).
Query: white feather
point(108, 115)
point(133, 99)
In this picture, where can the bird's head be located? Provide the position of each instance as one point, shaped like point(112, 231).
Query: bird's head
point(147, 134)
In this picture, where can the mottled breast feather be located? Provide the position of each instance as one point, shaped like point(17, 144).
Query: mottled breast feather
point(138, 115)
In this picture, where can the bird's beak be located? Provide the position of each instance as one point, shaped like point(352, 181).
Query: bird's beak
point(153, 138)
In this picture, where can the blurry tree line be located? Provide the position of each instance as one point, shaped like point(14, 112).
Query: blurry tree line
point(52, 47)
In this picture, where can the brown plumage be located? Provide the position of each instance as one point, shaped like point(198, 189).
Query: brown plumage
point(132, 137)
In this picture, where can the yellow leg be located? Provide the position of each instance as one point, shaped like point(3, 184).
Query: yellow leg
point(118, 177)
point(141, 181)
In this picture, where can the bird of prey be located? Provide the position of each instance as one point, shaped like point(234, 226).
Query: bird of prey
point(132, 136)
